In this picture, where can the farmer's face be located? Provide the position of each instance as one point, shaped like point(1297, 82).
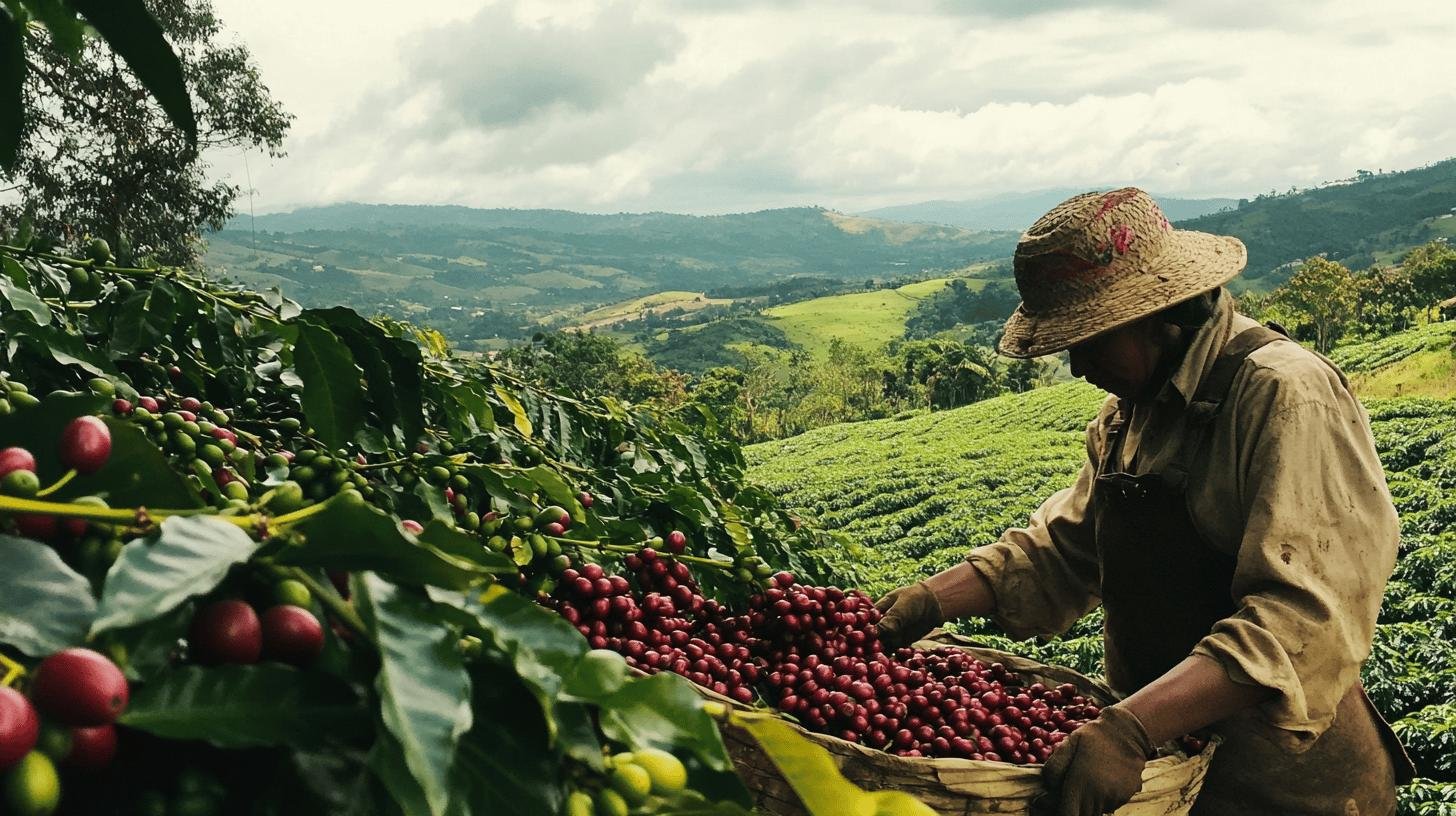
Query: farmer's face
point(1122, 361)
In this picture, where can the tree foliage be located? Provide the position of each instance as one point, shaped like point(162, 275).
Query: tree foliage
point(98, 157)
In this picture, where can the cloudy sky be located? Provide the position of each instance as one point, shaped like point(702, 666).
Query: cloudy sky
point(709, 106)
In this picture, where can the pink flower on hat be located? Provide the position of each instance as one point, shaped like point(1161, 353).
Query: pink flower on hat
point(1122, 237)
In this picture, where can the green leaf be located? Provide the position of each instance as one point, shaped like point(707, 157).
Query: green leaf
point(145, 318)
point(434, 498)
point(518, 411)
point(45, 606)
point(12, 82)
point(557, 490)
point(424, 691)
point(332, 398)
point(504, 764)
point(663, 711)
point(248, 706)
point(136, 37)
point(354, 536)
point(57, 344)
point(188, 556)
point(540, 644)
point(812, 774)
point(24, 300)
point(15, 272)
point(448, 539)
point(61, 21)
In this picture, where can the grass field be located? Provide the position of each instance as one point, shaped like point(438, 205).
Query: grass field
point(657, 302)
point(1419, 362)
point(867, 320)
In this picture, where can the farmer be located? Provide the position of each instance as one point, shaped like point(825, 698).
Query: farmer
point(1232, 519)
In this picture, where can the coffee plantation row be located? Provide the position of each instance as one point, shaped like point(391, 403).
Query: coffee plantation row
point(261, 559)
point(919, 491)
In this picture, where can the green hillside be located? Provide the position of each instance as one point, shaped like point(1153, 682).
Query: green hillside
point(1375, 217)
point(1418, 362)
point(914, 495)
point(864, 319)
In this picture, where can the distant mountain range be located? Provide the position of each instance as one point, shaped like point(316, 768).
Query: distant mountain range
point(487, 276)
point(1017, 211)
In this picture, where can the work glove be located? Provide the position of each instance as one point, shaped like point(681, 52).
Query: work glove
point(1098, 768)
point(910, 612)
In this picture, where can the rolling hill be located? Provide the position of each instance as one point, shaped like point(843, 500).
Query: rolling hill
point(506, 269)
point(1017, 211)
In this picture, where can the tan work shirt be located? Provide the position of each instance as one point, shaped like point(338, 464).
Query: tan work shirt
point(1289, 482)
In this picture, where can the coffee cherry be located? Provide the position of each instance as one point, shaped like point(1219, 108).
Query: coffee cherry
point(79, 687)
point(292, 634)
point(92, 748)
point(226, 632)
point(15, 458)
point(19, 726)
point(85, 444)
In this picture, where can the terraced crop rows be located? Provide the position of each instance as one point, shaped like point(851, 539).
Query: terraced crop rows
point(913, 495)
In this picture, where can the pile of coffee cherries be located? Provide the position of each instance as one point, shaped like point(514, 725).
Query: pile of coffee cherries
point(814, 653)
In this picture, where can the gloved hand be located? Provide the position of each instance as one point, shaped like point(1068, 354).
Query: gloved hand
point(1099, 767)
point(909, 613)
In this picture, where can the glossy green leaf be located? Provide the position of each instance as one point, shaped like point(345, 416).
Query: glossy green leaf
point(188, 556)
point(811, 772)
point(248, 706)
point(663, 711)
point(24, 300)
point(519, 417)
point(45, 606)
point(424, 691)
point(145, 317)
point(448, 539)
point(333, 400)
point(12, 82)
point(61, 21)
point(135, 36)
point(54, 343)
point(352, 535)
point(505, 764)
point(540, 644)
point(557, 490)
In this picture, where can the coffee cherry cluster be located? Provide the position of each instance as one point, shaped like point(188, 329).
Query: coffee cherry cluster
point(67, 720)
point(815, 654)
point(677, 630)
point(230, 631)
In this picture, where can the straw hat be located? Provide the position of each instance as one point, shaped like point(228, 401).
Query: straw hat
point(1098, 261)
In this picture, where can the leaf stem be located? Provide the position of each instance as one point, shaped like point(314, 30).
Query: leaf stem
point(299, 515)
point(60, 483)
point(382, 465)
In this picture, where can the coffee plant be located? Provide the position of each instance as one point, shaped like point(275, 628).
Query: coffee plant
point(262, 559)
point(919, 491)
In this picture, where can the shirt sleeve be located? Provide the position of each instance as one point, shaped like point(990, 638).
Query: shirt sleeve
point(1045, 575)
point(1319, 543)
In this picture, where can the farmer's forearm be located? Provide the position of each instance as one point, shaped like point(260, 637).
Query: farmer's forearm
point(962, 592)
point(1193, 694)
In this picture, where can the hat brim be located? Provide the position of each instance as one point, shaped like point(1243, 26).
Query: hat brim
point(1192, 263)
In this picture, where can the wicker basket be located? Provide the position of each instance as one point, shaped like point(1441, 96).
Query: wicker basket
point(963, 787)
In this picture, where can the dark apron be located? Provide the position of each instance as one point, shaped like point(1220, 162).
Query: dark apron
point(1164, 588)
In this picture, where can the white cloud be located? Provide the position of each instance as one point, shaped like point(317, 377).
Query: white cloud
point(687, 106)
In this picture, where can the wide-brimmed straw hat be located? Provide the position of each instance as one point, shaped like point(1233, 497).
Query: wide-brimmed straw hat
point(1098, 261)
